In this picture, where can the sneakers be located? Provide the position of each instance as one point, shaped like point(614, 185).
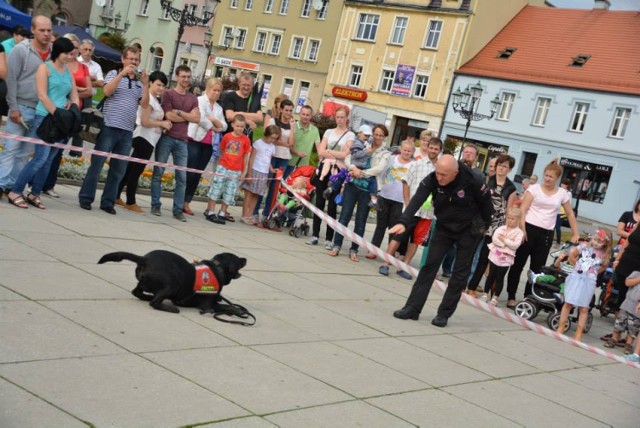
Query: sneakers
point(634, 358)
point(156, 211)
point(384, 270)
point(50, 193)
point(328, 245)
point(374, 205)
point(494, 300)
point(484, 297)
point(215, 218)
point(313, 241)
point(405, 275)
point(327, 193)
point(180, 216)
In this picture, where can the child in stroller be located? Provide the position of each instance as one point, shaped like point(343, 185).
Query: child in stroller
point(547, 291)
point(286, 210)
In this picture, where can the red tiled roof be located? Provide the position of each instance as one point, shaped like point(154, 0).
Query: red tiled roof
point(547, 40)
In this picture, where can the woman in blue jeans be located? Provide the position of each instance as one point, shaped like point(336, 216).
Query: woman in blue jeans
point(355, 193)
point(56, 89)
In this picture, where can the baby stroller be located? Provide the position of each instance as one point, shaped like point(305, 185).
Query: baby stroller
point(608, 298)
point(547, 294)
point(294, 216)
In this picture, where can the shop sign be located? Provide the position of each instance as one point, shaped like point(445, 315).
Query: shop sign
point(349, 93)
point(497, 150)
point(585, 166)
point(228, 62)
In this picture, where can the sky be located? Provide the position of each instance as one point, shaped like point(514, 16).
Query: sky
point(588, 4)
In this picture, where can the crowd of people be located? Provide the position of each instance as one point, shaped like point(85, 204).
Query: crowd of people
point(471, 224)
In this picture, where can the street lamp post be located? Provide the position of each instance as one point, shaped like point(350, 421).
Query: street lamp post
point(187, 18)
point(466, 102)
point(208, 43)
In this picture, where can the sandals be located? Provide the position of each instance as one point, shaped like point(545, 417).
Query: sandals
point(371, 256)
point(18, 201)
point(34, 200)
point(248, 220)
point(353, 256)
point(334, 252)
point(229, 217)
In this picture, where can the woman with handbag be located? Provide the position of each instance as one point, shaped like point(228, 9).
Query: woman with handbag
point(203, 137)
point(56, 90)
point(332, 151)
point(356, 192)
point(150, 125)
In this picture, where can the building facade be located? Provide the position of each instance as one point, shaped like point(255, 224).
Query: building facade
point(576, 101)
point(285, 44)
point(397, 57)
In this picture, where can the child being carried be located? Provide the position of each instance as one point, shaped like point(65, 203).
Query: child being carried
point(360, 158)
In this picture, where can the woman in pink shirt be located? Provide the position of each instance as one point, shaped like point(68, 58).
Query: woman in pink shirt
point(540, 205)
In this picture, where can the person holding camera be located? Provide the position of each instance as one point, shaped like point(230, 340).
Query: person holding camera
point(124, 90)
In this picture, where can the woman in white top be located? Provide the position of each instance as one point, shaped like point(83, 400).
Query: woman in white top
point(356, 192)
point(204, 138)
point(540, 205)
point(333, 149)
point(149, 128)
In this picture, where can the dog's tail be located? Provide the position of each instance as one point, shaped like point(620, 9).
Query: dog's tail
point(120, 256)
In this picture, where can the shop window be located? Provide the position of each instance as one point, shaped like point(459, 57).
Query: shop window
point(589, 181)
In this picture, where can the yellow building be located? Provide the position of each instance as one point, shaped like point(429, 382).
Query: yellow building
point(400, 56)
point(287, 44)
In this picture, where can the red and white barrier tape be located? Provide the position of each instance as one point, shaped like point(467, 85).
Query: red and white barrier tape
point(501, 313)
point(109, 155)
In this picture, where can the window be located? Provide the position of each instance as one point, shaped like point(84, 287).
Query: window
point(234, 4)
point(144, 7)
point(312, 50)
point(399, 30)
point(287, 87)
point(165, 15)
point(589, 181)
point(507, 104)
point(620, 119)
point(367, 27)
point(356, 75)
point(528, 163)
point(506, 53)
point(303, 94)
point(60, 19)
point(420, 88)
point(268, 6)
point(542, 109)
point(284, 7)
point(322, 14)
point(296, 47)
point(579, 117)
point(261, 41)
point(225, 35)
point(276, 40)
point(248, 5)
point(306, 8)
point(433, 35)
point(241, 38)
point(386, 83)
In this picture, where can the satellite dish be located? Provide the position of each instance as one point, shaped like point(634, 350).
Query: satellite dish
point(101, 3)
point(316, 4)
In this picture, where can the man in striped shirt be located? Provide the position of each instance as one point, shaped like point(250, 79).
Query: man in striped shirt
point(124, 90)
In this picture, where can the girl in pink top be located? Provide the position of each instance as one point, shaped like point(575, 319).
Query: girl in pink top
point(540, 205)
point(502, 250)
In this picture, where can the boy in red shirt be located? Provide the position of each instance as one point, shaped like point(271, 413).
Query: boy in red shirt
point(235, 149)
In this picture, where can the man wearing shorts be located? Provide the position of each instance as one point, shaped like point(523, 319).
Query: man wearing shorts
point(418, 228)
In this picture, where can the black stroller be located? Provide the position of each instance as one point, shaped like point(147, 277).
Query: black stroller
point(546, 295)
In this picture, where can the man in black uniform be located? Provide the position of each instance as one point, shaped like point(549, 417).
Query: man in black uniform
point(459, 197)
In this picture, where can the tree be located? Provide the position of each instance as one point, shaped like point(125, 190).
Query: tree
point(40, 7)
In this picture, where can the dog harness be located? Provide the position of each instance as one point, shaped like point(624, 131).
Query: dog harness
point(206, 281)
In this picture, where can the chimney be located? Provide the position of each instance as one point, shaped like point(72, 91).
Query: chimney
point(602, 4)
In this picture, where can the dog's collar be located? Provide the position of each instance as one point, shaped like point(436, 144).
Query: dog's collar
point(206, 280)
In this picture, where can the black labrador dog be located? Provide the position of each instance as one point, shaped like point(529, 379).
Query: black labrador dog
point(163, 275)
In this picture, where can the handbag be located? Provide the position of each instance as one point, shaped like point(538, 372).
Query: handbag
point(315, 177)
point(92, 123)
